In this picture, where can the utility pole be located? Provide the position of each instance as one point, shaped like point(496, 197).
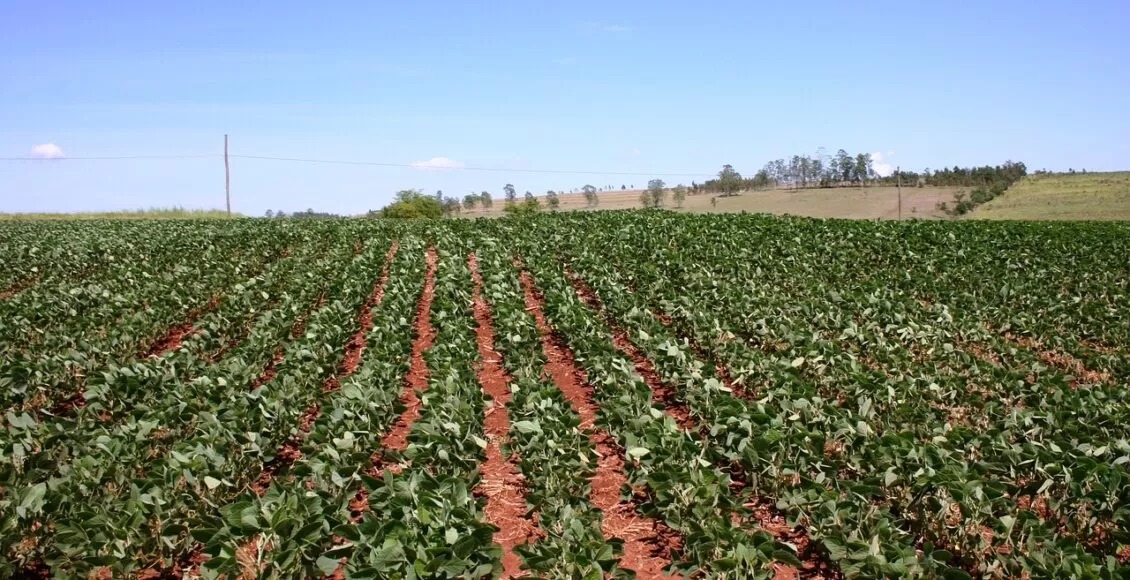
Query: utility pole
point(898, 182)
point(227, 175)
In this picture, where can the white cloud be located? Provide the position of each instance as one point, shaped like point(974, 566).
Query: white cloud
point(47, 151)
point(438, 163)
point(881, 163)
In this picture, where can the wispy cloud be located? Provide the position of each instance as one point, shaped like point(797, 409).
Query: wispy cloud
point(438, 163)
point(880, 162)
point(47, 151)
point(606, 28)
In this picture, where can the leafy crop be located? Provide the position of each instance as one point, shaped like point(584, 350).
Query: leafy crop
point(859, 398)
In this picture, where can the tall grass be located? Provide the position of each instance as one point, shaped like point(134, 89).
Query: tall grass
point(153, 213)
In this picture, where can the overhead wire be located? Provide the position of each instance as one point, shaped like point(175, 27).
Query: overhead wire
point(363, 163)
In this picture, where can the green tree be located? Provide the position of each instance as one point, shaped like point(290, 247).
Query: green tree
point(761, 180)
point(529, 195)
point(451, 207)
point(487, 200)
point(844, 165)
point(412, 204)
point(654, 194)
point(552, 200)
point(528, 207)
point(511, 193)
point(729, 180)
point(862, 168)
point(469, 201)
point(590, 195)
point(679, 194)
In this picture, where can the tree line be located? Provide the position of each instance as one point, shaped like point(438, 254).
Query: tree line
point(800, 171)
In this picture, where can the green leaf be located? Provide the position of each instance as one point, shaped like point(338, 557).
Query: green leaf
point(327, 565)
point(527, 427)
point(637, 452)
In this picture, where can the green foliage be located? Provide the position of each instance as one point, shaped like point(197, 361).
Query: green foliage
point(552, 200)
point(527, 207)
point(411, 204)
point(591, 199)
point(729, 181)
point(175, 213)
point(955, 408)
point(679, 194)
point(652, 197)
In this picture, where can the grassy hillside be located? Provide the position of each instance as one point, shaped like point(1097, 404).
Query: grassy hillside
point(846, 202)
point(141, 214)
point(1078, 196)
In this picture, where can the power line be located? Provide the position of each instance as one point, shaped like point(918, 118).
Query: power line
point(457, 168)
point(364, 163)
point(115, 158)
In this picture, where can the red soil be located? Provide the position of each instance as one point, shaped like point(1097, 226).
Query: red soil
point(720, 370)
point(18, 287)
point(175, 335)
point(354, 350)
point(502, 484)
point(355, 347)
point(1060, 360)
point(768, 518)
point(665, 396)
point(648, 543)
point(417, 380)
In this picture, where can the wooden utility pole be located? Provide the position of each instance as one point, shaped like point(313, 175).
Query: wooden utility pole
point(227, 175)
point(898, 183)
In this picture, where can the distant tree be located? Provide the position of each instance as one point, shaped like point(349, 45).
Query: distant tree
point(411, 204)
point(761, 180)
point(623, 187)
point(679, 194)
point(439, 195)
point(451, 207)
point(552, 200)
point(469, 201)
point(529, 195)
point(270, 214)
point(729, 180)
point(280, 214)
point(487, 200)
point(511, 193)
point(529, 206)
point(590, 195)
point(654, 194)
point(844, 165)
point(862, 169)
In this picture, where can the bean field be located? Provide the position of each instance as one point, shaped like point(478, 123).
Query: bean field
point(581, 395)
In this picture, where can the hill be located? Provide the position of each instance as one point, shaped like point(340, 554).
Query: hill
point(1063, 196)
point(838, 202)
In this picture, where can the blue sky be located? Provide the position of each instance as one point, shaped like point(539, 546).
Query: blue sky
point(643, 87)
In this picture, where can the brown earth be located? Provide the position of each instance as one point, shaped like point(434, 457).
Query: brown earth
point(18, 287)
point(502, 484)
point(648, 543)
point(417, 379)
